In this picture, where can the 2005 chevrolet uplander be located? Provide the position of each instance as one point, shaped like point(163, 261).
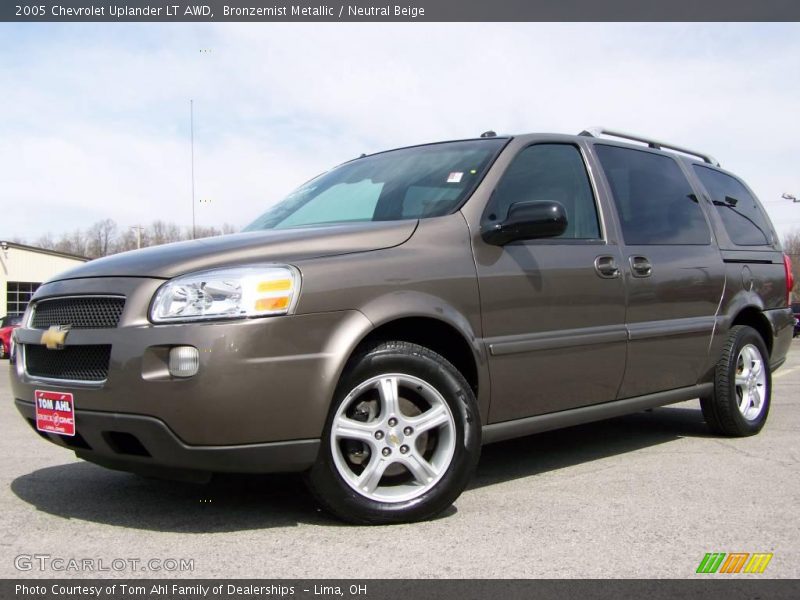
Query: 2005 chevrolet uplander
point(393, 314)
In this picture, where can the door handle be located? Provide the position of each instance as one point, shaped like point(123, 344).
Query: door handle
point(640, 266)
point(606, 267)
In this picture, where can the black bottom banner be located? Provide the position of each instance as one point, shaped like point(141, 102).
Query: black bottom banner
point(401, 589)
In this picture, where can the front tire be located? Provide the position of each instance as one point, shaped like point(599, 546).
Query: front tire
point(3, 352)
point(742, 386)
point(402, 439)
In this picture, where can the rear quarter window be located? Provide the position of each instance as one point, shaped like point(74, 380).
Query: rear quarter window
point(738, 210)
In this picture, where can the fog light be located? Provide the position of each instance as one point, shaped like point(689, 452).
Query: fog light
point(184, 361)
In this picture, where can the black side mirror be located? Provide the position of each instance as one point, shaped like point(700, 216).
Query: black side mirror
point(527, 221)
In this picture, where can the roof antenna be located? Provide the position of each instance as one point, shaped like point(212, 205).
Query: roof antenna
point(490, 133)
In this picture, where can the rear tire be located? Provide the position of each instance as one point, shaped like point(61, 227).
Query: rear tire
point(3, 352)
point(402, 439)
point(742, 386)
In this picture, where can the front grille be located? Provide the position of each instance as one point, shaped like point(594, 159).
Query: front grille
point(78, 363)
point(80, 312)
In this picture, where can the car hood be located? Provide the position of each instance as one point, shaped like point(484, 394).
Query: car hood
point(281, 245)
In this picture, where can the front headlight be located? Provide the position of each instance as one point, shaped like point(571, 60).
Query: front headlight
point(227, 294)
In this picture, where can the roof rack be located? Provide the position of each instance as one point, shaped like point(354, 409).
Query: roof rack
point(598, 131)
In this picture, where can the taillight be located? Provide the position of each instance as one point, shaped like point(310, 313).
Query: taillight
point(787, 266)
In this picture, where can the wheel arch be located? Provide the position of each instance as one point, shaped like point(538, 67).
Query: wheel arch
point(754, 317)
point(434, 334)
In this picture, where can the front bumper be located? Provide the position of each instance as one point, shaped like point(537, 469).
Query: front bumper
point(260, 380)
point(146, 445)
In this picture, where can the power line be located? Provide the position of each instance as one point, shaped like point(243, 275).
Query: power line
point(191, 129)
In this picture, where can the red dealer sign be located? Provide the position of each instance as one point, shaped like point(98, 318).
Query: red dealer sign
point(55, 412)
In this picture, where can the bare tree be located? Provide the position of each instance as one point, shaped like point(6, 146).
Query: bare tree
point(161, 232)
point(100, 238)
point(204, 232)
point(46, 241)
point(125, 241)
point(105, 237)
point(72, 243)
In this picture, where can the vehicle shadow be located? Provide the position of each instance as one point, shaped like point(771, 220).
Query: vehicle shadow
point(225, 504)
point(238, 503)
point(563, 448)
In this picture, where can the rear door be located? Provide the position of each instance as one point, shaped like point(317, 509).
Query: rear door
point(673, 270)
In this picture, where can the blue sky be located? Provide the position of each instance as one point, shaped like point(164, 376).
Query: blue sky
point(96, 116)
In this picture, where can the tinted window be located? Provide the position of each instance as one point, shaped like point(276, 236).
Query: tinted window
point(739, 211)
point(549, 172)
point(655, 202)
point(18, 294)
point(410, 183)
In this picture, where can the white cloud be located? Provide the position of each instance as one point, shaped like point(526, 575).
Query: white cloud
point(96, 117)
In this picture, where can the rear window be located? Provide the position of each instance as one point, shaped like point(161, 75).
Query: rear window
point(739, 211)
point(655, 202)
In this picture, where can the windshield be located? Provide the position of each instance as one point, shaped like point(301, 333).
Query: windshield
point(411, 183)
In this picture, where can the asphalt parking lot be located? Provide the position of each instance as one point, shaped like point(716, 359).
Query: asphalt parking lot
point(640, 496)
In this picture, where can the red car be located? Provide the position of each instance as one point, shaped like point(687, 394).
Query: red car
point(7, 325)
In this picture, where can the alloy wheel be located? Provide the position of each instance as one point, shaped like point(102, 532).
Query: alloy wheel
point(751, 382)
point(393, 438)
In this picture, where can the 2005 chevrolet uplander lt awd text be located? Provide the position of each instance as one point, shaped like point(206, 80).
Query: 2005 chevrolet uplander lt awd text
point(393, 314)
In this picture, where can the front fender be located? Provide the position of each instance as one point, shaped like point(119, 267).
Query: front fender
point(398, 305)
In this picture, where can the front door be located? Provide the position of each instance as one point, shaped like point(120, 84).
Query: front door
point(553, 310)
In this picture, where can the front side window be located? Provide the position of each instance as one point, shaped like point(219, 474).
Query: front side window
point(552, 172)
point(410, 183)
point(655, 203)
point(739, 211)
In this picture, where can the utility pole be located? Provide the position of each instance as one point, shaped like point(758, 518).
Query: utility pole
point(191, 128)
point(139, 230)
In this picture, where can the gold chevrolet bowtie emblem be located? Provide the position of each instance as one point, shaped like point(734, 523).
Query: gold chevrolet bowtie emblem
point(55, 337)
